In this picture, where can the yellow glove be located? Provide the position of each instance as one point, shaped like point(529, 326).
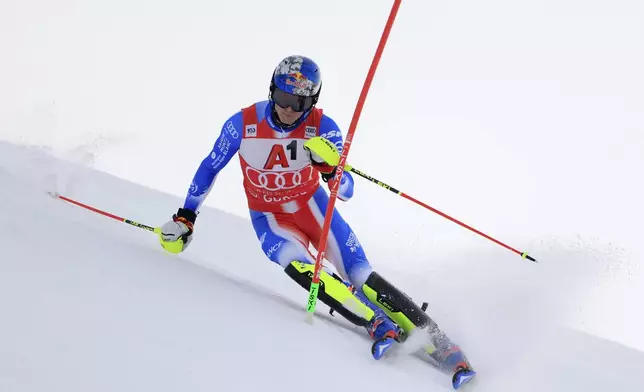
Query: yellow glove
point(322, 151)
point(176, 235)
point(323, 155)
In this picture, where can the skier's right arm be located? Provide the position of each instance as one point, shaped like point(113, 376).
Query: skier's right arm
point(225, 148)
point(181, 225)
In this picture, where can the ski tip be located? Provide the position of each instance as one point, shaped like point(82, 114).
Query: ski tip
point(462, 377)
point(381, 346)
point(53, 194)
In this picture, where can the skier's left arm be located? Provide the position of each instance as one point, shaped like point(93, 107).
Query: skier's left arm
point(329, 130)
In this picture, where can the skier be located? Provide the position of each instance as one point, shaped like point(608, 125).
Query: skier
point(285, 145)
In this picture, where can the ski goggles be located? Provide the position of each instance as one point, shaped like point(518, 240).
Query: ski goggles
point(295, 102)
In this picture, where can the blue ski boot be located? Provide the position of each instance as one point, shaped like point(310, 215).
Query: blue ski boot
point(381, 328)
point(462, 376)
point(384, 333)
point(453, 359)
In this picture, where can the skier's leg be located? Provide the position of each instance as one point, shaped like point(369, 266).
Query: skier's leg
point(347, 255)
point(285, 244)
point(345, 252)
point(281, 240)
point(343, 249)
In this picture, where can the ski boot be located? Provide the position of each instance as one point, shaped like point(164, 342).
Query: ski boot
point(384, 333)
point(452, 359)
point(381, 328)
point(462, 376)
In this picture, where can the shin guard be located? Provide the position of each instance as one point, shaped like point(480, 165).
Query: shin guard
point(402, 310)
point(333, 292)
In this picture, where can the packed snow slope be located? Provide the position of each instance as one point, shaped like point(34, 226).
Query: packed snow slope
point(91, 304)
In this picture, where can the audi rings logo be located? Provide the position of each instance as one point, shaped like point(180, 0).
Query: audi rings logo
point(278, 181)
point(232, 130)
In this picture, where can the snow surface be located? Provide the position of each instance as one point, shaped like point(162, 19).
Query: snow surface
point(524, 119)
point(89, 303)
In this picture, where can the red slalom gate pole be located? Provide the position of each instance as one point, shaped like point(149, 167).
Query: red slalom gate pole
point(315, 284)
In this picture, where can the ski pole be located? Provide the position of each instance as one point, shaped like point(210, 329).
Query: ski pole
point(396, 191)
point(172, 247)
point(315, 282)
point(107, 214)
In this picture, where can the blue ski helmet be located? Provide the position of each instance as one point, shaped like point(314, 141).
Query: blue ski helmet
point(296, 82)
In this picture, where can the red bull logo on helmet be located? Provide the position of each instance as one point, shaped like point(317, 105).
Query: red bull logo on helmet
point(298, 80)
point(297, 75)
